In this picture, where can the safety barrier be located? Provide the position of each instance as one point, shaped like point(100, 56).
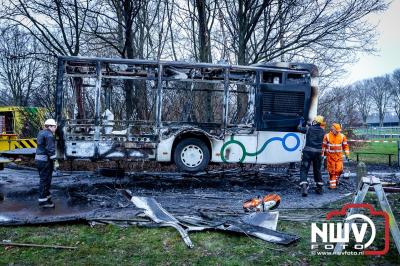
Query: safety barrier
point(369, 141)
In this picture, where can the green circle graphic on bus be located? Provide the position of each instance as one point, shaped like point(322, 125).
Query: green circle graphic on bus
point(245, 153)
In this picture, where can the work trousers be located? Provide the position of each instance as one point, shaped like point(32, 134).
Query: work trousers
point(335, 169)
point(45, 169)
point(316, 159)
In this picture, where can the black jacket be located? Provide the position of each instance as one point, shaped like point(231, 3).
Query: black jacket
point(314, 137)
point(45, 143)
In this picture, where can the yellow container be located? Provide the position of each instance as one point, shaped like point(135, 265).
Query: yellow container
point(7, 141)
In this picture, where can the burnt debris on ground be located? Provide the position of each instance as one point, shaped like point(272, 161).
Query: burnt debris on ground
point(213, 194)
point(214, 197)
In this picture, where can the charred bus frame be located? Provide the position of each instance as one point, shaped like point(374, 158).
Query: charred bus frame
point(279, 95)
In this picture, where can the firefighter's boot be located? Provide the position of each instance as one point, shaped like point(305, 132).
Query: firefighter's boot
point(304, 190)
point(319, 190)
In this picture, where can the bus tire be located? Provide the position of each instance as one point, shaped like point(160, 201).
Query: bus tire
point(191, 155)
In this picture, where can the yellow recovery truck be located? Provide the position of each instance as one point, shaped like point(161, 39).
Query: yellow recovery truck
point(19, 127)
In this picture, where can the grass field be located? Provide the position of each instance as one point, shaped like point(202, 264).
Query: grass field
point(374, 147)
point(112, 245)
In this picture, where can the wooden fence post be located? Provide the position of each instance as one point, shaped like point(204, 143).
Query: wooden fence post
point(361, 171)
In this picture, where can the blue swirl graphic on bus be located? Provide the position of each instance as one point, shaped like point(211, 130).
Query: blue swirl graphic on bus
point(245, 153)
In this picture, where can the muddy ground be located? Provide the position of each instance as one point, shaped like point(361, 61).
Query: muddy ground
point(216, 195)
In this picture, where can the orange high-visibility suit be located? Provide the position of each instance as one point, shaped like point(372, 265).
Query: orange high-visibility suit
point(333, 146)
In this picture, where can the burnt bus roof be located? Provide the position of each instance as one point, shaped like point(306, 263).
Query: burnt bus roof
point(283, 67)
point(311, 68)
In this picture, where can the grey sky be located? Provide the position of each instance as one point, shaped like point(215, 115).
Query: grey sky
point(388, 56)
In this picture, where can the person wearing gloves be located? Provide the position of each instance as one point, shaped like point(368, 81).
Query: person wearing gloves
point(332, 147)
point(312, 153)
point(44, 159)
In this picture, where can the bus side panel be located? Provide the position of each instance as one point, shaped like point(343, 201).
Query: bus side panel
point(108, 150)
point(79, 149)
point(164, 149)
point(235, 149)
point(279, 147)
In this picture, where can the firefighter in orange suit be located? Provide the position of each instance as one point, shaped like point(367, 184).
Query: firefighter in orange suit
point(333, 145)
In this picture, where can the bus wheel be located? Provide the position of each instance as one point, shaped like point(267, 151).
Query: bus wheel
point(191, 155)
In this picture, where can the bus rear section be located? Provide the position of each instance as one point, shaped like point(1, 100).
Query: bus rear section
point(189, 114)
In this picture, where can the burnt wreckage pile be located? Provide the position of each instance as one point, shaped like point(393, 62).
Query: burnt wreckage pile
point(260, 225)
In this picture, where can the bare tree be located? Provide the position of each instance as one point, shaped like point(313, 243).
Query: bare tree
point(132, 29)
point(57, 25)
point(396, 92)
point(206, 14)
point(362, 99)
point(340, 107)
point(206, 11)
point(381, 94)
point(19, 71)
point(242, 18)
point(44, 95)
point(327, 33)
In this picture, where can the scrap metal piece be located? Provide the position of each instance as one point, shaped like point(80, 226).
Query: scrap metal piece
point(250, 225)
point(159, 215)
point(259, 232)
point(267, 220)
point(259, 224)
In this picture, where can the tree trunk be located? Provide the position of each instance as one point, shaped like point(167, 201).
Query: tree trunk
point(242, 96)
point(129, 53)
point(205, 99)
point(364, 118)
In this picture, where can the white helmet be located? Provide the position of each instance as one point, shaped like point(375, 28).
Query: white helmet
point(50, 122)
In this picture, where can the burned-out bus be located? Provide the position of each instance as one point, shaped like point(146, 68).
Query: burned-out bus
point(190, 114)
